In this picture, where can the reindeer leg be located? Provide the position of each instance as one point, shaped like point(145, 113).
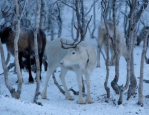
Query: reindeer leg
point(40, 61)
point(20, 61)
point(62, 77)
point(98, 56)
point(112, 61)
point(99, 51)
point(30, 80)
point(45, 63)
point(79, 79)
point(49, 72)
point(88, 99)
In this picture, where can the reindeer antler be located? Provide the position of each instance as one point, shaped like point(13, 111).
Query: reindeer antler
point(70, 45)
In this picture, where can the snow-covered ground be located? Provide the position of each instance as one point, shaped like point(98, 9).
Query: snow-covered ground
point(58, 105)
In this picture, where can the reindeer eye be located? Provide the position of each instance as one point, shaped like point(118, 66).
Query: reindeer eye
point(73, 53)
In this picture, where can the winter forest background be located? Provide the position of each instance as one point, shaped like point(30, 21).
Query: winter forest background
point(116, 90)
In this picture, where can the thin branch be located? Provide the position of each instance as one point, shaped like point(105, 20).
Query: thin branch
point(74, 92)
point(103, 55)
point(66, 4)
point(124, 14)
point(77, 32)
point(87, 25)
point(139, 13)
point(56, 83)
point(22, 10)
point(91, 8)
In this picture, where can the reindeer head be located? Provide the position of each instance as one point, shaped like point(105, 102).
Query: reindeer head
point(76, 57)
point(4, 33)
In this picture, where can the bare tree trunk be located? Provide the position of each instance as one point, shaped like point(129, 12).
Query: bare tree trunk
point(19, 16)
point(10, 88)
point(59, 20)
point(107, 69)
point(81, 19)
point(72, 26)
point(78, 16)
point(50, 20)
point(130, 47)
point(115, 80)
point(8, 58)
point(109, 16)
point(140, 90)
point(94, 20)
point(133, 81)
point(52, 31)
point(79, 9)
point(126, 23)
point(105, 6)
point(42, 14)
point(56, 83)
point(37, 57)
point(82, 30)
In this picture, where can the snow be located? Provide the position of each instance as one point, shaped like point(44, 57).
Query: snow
point(56, 104)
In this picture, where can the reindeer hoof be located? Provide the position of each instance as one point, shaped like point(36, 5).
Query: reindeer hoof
point(31, 81)
point(43, 96)
point(89, 101)
point(70, 98)
point(81, 102)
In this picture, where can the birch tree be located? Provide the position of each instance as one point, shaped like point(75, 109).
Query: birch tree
point(131, 29)
point(105, 6)
point(51, 19)
point(137, 15)
point(37, 57)
point(4, 65)
point(19, 16)
point(72, 25)
point(140, 90)
point(115, 44)
point(133, 17)
point(42, 14)
point(59, 20)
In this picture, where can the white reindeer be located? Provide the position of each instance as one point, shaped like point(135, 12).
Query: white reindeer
point(81, 60)
point(102, 39)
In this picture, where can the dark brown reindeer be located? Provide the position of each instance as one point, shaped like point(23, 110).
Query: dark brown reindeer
point(25, 45)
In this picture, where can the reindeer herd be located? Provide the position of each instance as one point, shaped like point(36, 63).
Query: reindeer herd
point(78, 57)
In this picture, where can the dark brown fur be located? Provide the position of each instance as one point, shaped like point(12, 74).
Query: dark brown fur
point(25, 45)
